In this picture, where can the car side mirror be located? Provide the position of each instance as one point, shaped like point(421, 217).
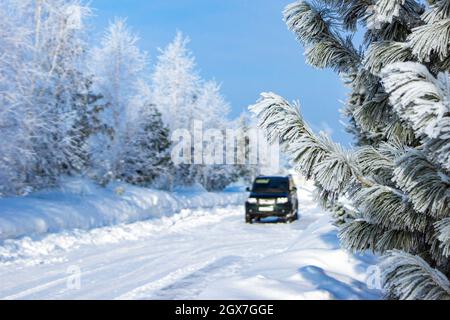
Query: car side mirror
point(248, 189)
point(294, 189)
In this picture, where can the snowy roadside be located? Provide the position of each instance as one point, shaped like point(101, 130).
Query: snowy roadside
point(205, 253)
point(313, 267)
point(80, 204)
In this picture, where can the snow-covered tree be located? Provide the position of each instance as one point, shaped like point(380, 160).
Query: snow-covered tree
point(397, 179)
point(43, 43)
point(117, 64)
point(183, 98)
point(18, 117)
point(176, 84)
point(213, 111)
point(211, 106)
point(147, 143)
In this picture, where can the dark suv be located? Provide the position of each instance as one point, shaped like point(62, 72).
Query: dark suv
point(272, 197)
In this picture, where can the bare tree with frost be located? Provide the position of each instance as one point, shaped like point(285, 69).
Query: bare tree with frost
point(398, 176)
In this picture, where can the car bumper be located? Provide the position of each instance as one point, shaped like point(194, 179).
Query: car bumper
point(279, 210)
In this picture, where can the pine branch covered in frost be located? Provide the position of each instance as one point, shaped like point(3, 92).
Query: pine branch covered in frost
point(384, 53)
point(332, 53)
point(372, 113)
point(431, 39)
point(389, 208)
point(443, 229)
point(427, 188)
point(373, 160)
point(409, 277)
point(316, 156)
point(352, 11)
point(418, 96)
point(360, 235)
point(386, 10)
point(439, 10)
point(306, 22)
point(391, 20)
point(314, 28)
point(424, 101)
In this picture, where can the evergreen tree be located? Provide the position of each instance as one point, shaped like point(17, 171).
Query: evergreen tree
point(118, 65)
point(397, 178)
point(88, 123)
point(148, 149)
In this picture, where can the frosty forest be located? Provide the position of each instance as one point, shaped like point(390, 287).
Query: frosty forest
point(102, 110)
point(106, 112)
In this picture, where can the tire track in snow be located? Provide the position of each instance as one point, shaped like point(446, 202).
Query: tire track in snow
point(178, 260)
point(181, 281)
point(27, 251)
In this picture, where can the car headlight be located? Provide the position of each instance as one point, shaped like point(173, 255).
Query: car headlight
point(252, 200)
point(282, 200)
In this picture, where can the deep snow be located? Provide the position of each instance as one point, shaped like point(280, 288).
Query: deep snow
point(194, 254)
point(80, 204)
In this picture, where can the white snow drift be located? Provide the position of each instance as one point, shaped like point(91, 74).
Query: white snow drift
point(80, 204)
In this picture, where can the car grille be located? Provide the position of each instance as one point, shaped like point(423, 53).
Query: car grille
point(267, 201)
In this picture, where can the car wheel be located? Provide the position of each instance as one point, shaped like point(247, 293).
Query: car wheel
point(293, 218)
point(249, 220)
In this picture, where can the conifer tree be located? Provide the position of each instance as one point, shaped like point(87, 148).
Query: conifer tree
point(148, 149)
point(397, 177)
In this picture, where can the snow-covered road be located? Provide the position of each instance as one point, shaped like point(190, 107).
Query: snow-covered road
point(196, 254)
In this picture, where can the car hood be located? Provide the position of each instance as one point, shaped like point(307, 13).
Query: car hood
point(269, 195)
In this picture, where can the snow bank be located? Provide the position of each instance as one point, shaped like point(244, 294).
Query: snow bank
point(80, 204)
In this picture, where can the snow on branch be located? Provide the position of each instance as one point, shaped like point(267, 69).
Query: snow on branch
point(438, 11)
point(424, 102)
point(316, 156)
point(386, 10)
point(360, 235)
point(428, 187)
point(443, 229)
point(389, 208)
point(431, 39)
point(306, 22)
point(315, 27)
point(409, 277)
point(384, 53)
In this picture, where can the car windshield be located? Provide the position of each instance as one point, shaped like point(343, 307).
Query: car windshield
point(269, 185)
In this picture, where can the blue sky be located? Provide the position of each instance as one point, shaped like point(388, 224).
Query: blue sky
point(243, 44)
